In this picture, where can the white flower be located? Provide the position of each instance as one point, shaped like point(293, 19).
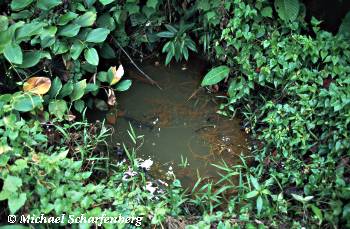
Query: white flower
point(150, 188)
point(146, 164)
point(128, 174)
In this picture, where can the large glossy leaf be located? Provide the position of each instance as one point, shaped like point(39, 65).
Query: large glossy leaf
point(66, 89)
point(58, 108)
point(16, 202)
point(70, 30)
point(78, 90)
point(37, 85)
point(48, 4)
point(56, 87)
point(26, 102)
point(287, 10)
point(20, 4)
point(123, 85)
point(76, 49)
point(31, 59)
point(30, 29)
point(4, 23)
point(215, 75)
point(67, 17)
point(106, 2)
point(91, 56)
point(97, 35)
point(87, 19)
point(344, 28)
point(13, 53)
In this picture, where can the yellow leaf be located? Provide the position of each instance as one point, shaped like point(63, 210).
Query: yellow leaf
point(117, 74)
point(37, 85)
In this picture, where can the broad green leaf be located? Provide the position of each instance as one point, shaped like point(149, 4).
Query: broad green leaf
point(152, 3)
point(107, 51)
point(287, 10)
point(66, 89)
point(56, 87)
point(317, 212)
point(20, 4)
point(15, 203)
point(12, 183)
point(87, 19)
point(106, 21)
point(70, 30)
point(58, 108)
point(28, 30)
point(76, 49)
point(123, 85)
point(13, 53)
point(67, 17)
point(91, 56)
point(106, 2)
point(97, 35)
point(344, 28)
point(4, 23)
point(78, 90)
point(26, 102)
point(79, 105)
point(266, 12)
point(102, 76)
point(215, 75)
point(30, 59)
point(48, 4)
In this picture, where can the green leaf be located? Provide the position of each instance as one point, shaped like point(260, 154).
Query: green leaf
point(152, 3)
point(97, 35)
point(251, 194)
point(58, 108)
point(4, 23)
point(20, 4)
point(30, 29)
point(287, 10)
point(344, 28)
point(123, 85)
point(66, 89)
point(26, 102)
point(215, 75)
point(317, 212)
point(76, 49)
point(15, 203)
point(91, 56)
point(67, 17)
point(70, 30)
point(106, 2)
point(107, 51)
point(13, 53)
point(79, 105)
point(48, 4)
point(259, 204)
point(56, 87)
point(102, 76)
point(12, 183)
point(255, 182)
point(166, 34)
point(267, 12)
point(87, 19)
point(79, 90)
point(30, 59)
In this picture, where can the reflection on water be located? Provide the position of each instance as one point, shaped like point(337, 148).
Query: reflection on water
point(179, 123)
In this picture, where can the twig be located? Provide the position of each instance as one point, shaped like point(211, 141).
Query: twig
point(135, 65)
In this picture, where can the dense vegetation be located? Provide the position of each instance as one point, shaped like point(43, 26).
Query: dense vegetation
point(287, 78)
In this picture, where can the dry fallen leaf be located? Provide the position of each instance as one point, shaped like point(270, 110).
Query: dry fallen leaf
point(117, 74)
point(111, 97)
point(38, 85)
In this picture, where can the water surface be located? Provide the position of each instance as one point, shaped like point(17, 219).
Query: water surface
point(178, 121)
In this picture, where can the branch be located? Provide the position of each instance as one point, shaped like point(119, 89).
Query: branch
point(133, 63)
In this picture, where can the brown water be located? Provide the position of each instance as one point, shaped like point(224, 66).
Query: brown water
point(178, 121)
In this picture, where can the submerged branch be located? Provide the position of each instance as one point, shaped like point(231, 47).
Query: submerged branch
point(135, 65)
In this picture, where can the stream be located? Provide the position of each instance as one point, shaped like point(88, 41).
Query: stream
point(179, 123)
